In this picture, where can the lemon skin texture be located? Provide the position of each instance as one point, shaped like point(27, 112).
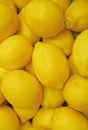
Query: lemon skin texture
point(62, 3)
point(53, 98)
point(25, 30)
point(50, 65)
point(66, 118)
point(76, 16)
point(18, 84)
point(63, 40)
point(9, 23)
point(8, 119)
point(75, 92)
point(26, 114)
point(43, 118)
point(15, 52)
point(80, 53)
point(48, 19)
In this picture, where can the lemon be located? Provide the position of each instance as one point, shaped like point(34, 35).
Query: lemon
point(52, 98)
point(21, 3)
point(76, 15)
point(66, 118)
point(80, 53)
point(25, 31)
point(9, 22)
point(10, 3)
point(50, 65)
point(22, 89)
point(15, 52)
point(75, 92)
point(8, 119)
point(43, 118)
point(29, 68)
point(63, 40)
point(26, 125)
point(73, 68)
point(62, 3)
point(27, 114)
point(48, 19)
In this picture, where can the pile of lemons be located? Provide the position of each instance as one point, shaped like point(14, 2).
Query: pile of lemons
point(43, 65)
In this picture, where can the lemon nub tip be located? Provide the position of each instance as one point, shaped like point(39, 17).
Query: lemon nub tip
point(67, 23)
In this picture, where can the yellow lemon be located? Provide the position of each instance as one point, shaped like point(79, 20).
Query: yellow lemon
point(29, 68)
point(63, 40)
point(52, 98)
point(25, 31)
point(26, 125)
point(48, 19)
point(43, 118)
point(80, 53)
point(15, 52)
point(73, 68)
point(21, 3)
point(62, 3)
point(66, 118)
point(75, 92)
point(22, 89)
point(50, 65)
point(10, 3)
point(8, 119)
point(76, 15)
point(27, 114)
point(9, 22)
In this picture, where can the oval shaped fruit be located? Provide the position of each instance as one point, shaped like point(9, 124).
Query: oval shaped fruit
point(50, 65)
point(22, 89)
point(75, 92)
point(76, 15)
point(80, 53)
point(8, 119)
point(48, 19)
point(15, 52)
point(66, 118)
point(9, 22)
